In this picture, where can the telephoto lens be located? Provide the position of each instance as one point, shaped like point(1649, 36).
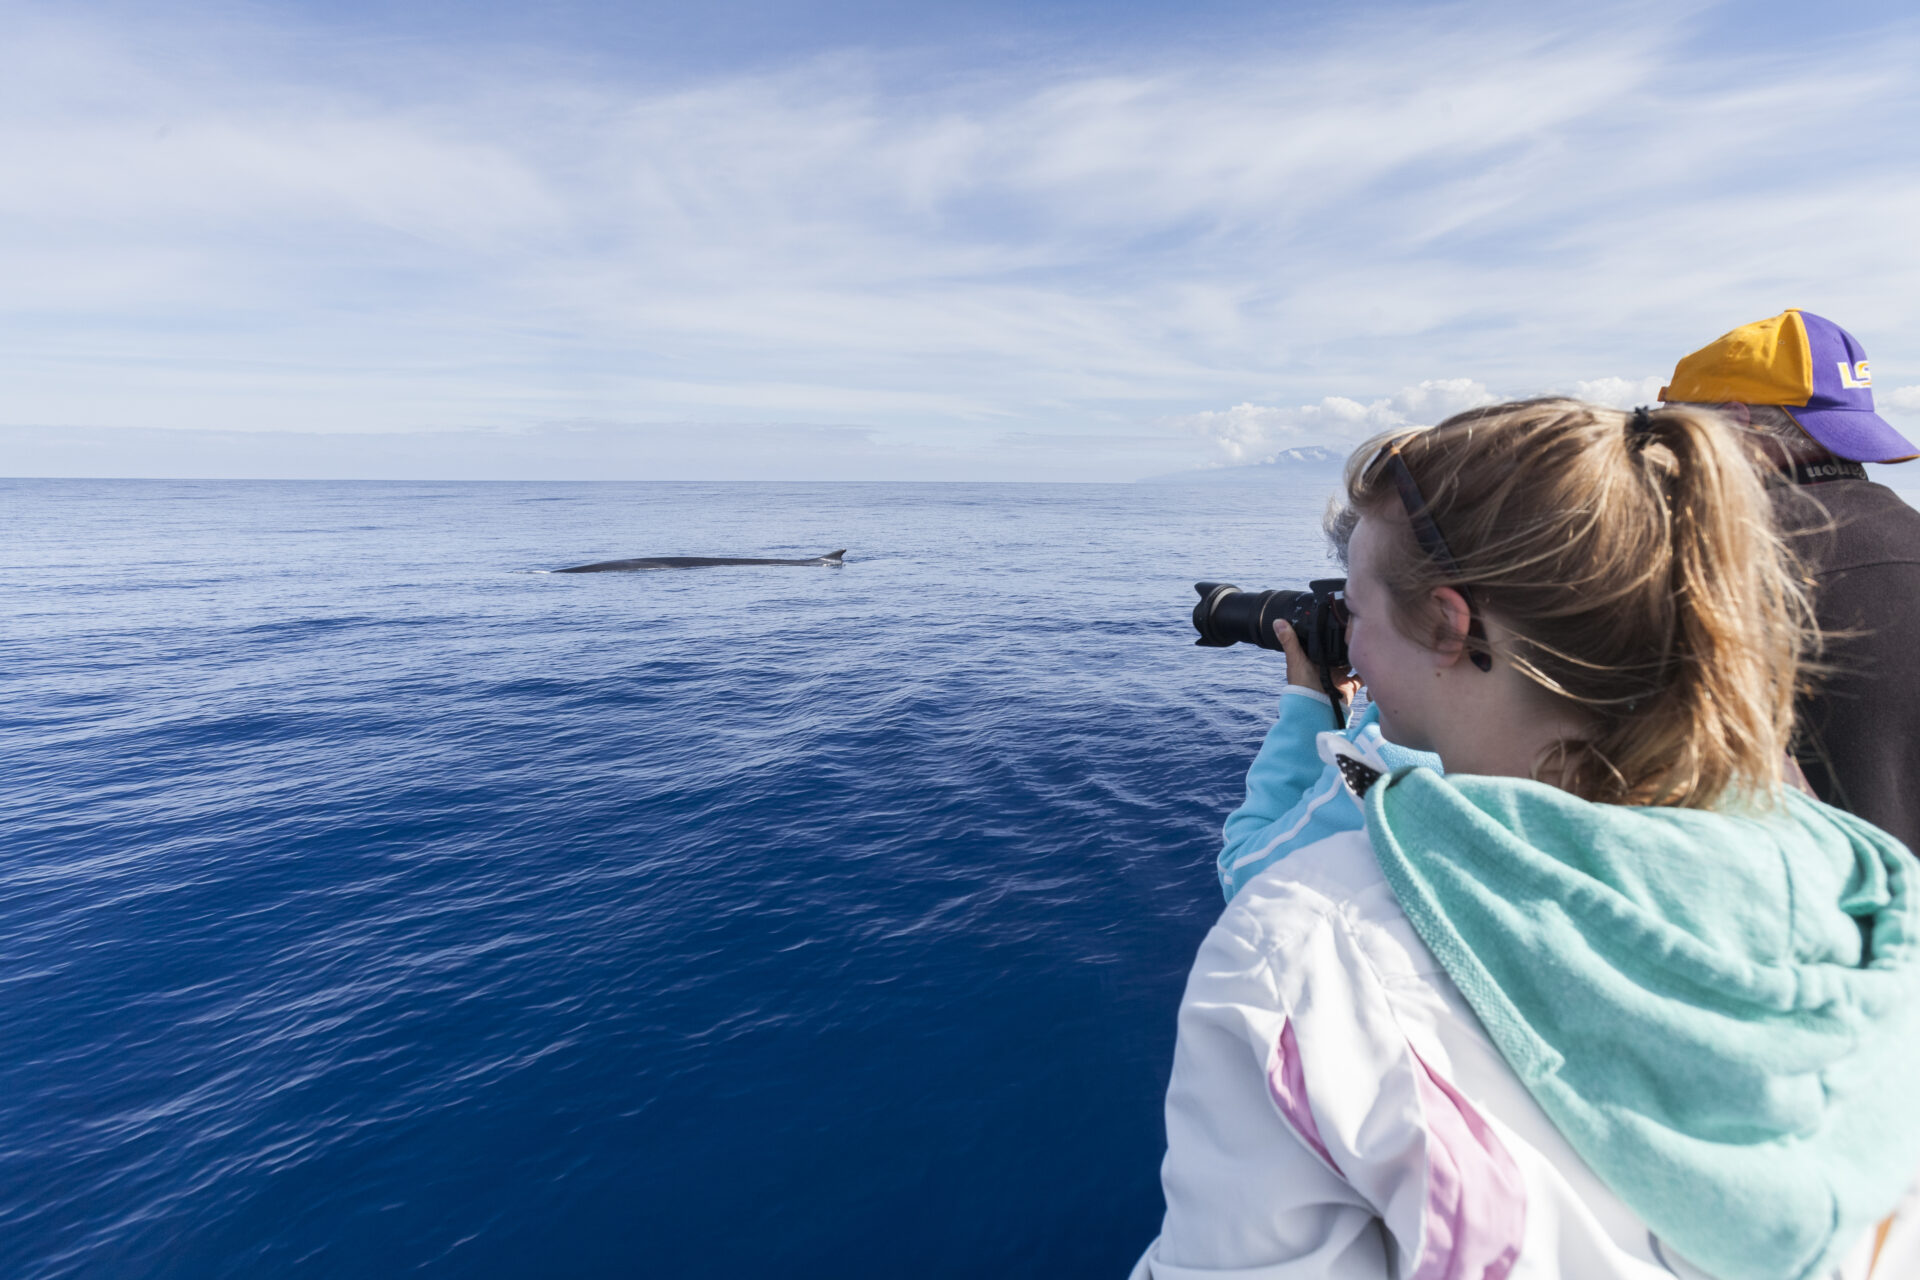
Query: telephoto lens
point(1227, 615)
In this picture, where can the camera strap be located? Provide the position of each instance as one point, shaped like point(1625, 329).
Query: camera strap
point(1334, 696)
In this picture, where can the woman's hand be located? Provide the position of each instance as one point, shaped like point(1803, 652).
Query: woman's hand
point(1304, 673)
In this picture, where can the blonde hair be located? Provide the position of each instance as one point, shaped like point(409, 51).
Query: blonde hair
point(1633, 560)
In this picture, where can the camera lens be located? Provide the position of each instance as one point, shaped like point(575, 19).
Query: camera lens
point(1227, 615)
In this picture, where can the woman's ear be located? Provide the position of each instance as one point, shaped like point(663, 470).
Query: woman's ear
point(1451, 620)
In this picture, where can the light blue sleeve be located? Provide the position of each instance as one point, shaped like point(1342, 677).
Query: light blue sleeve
point(1293, 797)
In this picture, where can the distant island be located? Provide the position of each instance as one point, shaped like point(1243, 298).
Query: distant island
point(1312, 462)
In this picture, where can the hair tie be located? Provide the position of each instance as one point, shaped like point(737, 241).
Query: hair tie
point(1640, 428)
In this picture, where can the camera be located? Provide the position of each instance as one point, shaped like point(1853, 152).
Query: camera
point(1227, 615)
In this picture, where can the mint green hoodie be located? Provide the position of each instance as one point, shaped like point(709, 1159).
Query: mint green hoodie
point(1720, 1012)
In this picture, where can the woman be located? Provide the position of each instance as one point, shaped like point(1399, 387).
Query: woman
point(1603, 1000)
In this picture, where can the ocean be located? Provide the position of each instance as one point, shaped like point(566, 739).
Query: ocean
point(374, 903)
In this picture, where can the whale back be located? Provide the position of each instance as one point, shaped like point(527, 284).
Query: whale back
point(695, 562)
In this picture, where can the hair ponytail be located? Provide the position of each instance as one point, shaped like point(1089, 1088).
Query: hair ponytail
point(1633, 560)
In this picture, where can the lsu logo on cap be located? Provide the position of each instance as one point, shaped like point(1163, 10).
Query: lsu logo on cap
point(1856, 376)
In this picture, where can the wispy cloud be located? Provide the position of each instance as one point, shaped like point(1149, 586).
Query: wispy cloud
point(233, 234)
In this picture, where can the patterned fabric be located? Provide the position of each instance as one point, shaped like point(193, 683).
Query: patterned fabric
point(1359, 775)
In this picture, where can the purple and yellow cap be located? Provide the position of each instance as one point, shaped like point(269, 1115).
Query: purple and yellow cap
point(1806, 364)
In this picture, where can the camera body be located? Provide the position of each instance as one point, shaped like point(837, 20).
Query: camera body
point(1227, 615)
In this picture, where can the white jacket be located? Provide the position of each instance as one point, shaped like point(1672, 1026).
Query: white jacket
point(1336, 1110)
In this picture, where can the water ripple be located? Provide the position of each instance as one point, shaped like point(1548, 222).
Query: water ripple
point(373, 907)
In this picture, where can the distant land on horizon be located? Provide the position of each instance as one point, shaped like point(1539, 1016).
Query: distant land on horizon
point(1315, 461)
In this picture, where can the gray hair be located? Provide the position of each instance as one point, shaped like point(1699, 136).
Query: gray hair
point(1775, 421)
point(1765, 419)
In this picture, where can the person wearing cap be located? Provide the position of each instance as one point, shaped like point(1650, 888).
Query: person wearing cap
point(1803, 387)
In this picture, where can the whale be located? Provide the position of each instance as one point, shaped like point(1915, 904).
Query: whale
point(834, 558)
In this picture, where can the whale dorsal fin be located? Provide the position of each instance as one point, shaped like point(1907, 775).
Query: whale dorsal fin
point(841, 554)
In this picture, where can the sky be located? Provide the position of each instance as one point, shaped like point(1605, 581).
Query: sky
point(866, 241)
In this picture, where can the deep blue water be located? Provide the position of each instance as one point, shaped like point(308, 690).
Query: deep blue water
point(372, 905)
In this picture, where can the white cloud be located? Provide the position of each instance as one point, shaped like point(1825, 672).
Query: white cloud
point(1620, 393)
point(1902, 399)
point(1249, 433)
point(1255, 433)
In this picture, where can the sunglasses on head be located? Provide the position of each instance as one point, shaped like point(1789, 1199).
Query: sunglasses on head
point(1427, 534)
